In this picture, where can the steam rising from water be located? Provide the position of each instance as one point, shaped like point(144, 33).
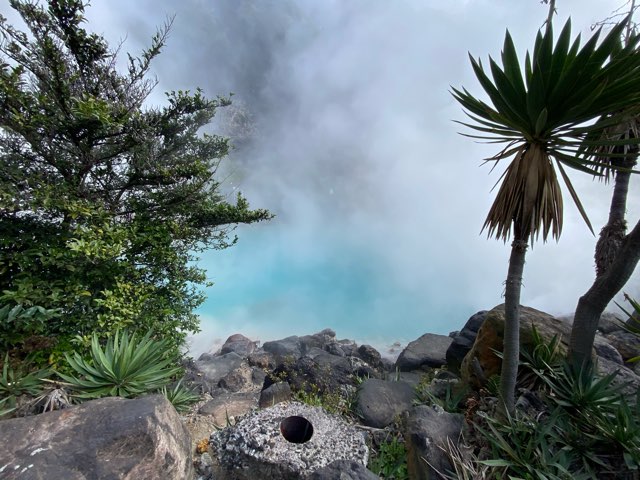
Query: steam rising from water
point(379, 201)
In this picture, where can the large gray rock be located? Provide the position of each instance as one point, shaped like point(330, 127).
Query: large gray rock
point(429, 350)
point(370, 355)
point(324, 373)
point(625, 376)
point(289, 348)
point(627, 343)
point(463, 341)
point(110, 438)
point(215, 368)
point(239, 344)
point(343, 470)
point(275, 393)
point(256, 447)
point(380, 402)
point(426, 430)
point(226, 405)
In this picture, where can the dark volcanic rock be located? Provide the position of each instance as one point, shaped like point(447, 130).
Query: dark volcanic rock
point(214, 368)
point(275, 393)
point(238, 344)
point(429, 350)
point(370, 355)
point(380, 402)
point(428, 428)
point(463, 341)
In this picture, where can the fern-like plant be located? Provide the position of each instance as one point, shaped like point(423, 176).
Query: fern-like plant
point(127, 366)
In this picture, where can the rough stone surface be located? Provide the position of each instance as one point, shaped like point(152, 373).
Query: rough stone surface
point(605, 350)
point(233, 381)
point(610, 322)
point(463, 341)
point(490, 336)
point(426, 429)
point(262, 359)
point(429, 350)
point(324, 373)
point(229, 405)
point(238, 344)
point(214, 368)
point(627, 343)
point(343, 470)
point(275, 393)
point(109, 438)
point(626, 376)
point(380, 402)
point(254, 448)
point(370, 355)
point(283, 349)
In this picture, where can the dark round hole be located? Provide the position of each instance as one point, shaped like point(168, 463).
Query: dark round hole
point(296, 429)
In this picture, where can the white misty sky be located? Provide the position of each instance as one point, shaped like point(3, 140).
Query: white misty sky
point(356, 146)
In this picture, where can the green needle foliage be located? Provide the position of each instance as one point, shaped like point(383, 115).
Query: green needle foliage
point(127, 366)
point(105, 200)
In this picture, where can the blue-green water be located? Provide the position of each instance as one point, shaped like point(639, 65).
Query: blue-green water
point(268, 287)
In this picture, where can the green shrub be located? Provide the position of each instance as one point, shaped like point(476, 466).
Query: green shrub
point(125, 367)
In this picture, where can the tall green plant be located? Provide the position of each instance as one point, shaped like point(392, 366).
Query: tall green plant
point(105, 200)
point(541, 111)
point(127, 366)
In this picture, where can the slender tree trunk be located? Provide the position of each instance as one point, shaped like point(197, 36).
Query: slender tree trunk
point(511, 345)
point(612, 234)
point(592, 304)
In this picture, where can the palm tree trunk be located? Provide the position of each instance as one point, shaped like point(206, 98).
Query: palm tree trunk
point(511, 341)
point(592, 304)
point(612, 234)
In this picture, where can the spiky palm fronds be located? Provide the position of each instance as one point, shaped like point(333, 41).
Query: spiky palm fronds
point(553, 114)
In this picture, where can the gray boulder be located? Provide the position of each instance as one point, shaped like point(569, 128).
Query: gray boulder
point(380, 402)
point(610, 322)
point(227, 405)
point(324, 373)
point(343, 470)
point(275, 393)
point(289, 348)
point(370, 355)
point(426, 429)
point(285, 442)
point(463, 341)
point(238, 344)
point(213, 368)
point(627, 343)
point(429, 350)
point(109, 438)
point(625, 376)
point(605, 350)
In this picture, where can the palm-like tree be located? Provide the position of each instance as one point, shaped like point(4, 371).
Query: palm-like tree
point(543, 117)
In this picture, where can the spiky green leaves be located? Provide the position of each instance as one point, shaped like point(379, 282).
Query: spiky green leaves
point(550, 104)
point(127, 366)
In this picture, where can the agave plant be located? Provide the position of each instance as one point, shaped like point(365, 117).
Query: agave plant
point(180, 396)
point(125, 367)
point(18, 381)
point(543, 116)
